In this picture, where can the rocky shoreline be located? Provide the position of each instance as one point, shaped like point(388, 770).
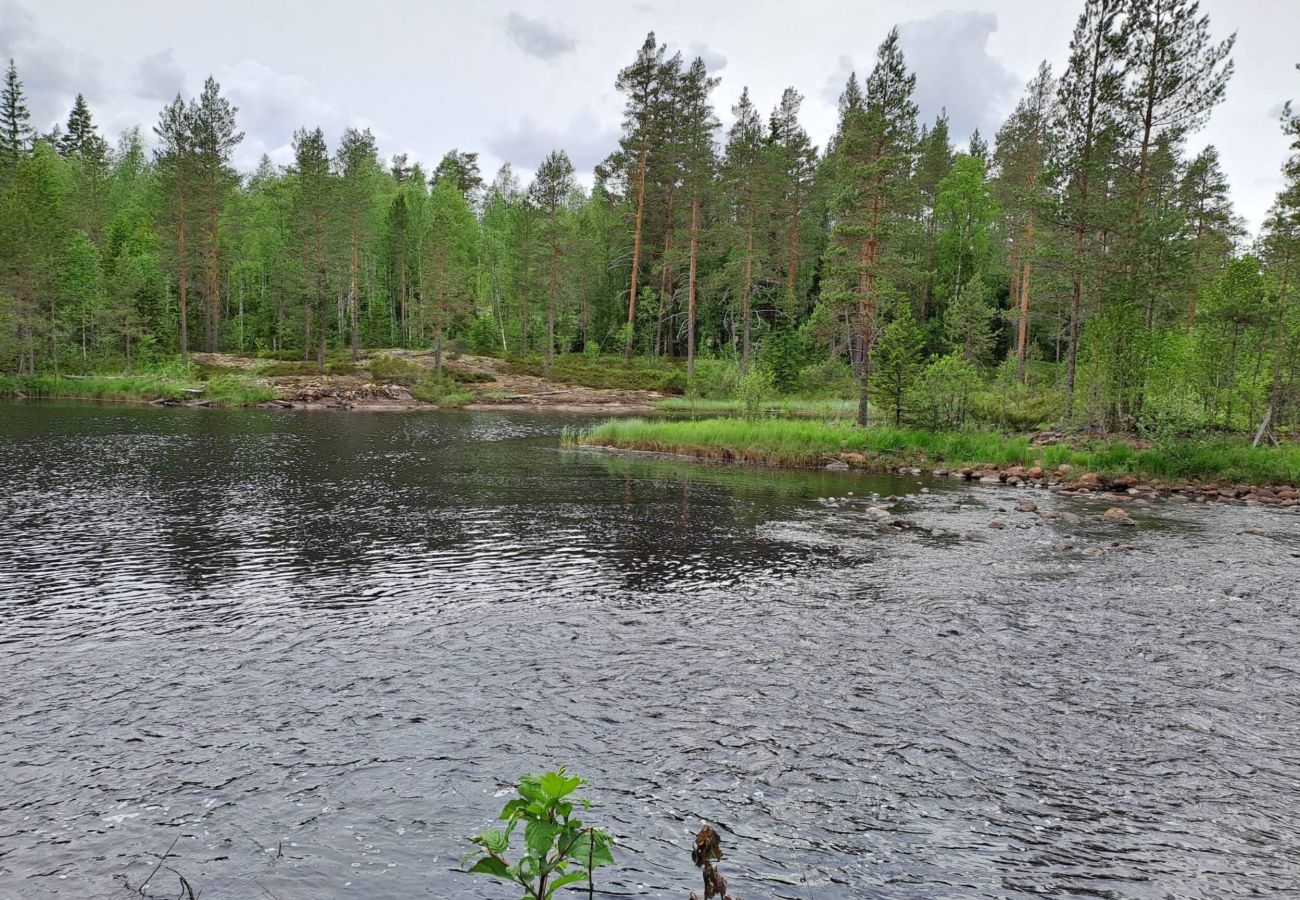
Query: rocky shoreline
point(1122, 489)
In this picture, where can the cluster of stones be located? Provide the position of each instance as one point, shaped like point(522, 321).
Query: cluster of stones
point(324, 394)
point(1063, 480)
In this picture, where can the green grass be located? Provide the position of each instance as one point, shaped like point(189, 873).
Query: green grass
point(799, 442)
point(785, 406)
point(222, 390)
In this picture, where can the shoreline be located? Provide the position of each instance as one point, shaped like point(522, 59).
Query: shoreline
point(1056, 467)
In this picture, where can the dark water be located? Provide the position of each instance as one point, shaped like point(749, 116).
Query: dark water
point(314, 649)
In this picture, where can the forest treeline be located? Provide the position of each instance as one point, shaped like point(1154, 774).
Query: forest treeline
point(1082, 263)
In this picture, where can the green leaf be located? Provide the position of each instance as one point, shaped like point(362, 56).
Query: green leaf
point(490, 865)
point(556, 784)
point(539, 836)
point(594, 846)
point(513, 808)
point(495, 841)
point(563, 880)
point(530, 788)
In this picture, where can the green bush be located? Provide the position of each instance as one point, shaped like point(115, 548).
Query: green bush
point(440, 390)
point(757, 387)
point(943, 393)
point(395, 369)
point(714, 379)
point(829, 378)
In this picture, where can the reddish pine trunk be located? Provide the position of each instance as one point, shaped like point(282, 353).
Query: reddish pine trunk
point(636, 252)
point(690, 291)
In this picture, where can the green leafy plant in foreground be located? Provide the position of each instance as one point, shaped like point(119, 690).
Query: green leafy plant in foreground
point(560, 850)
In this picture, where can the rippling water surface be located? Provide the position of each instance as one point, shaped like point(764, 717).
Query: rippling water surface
point(315, 649)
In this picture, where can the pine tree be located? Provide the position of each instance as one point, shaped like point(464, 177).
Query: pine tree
point(746, 180)
point(794, 165)
point(15, 122)
point(447, 274)
point(1175, 76)
point(313, 189)
point(872, 163)
point(461, 169)
point(642, 82)
point(699, 166)
point(358, 165)
point(1089, 94)
point(550, 193)
point(1025, 145)
point(215, 137)
point(175, 158)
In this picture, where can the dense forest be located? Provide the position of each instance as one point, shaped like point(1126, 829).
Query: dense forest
point(1083, 265)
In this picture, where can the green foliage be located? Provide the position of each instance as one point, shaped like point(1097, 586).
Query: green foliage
point(785, 354)
point(558, 849)
point(802, 442)
point(754, 390)
point(612, 372)
point(896, 359)
point(943, 393)
point(440, 390)
point(395, 369)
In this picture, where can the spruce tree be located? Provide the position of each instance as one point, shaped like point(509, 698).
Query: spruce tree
point(80, 137)
point(897, 356)
point(15, 121)
point(968, 321)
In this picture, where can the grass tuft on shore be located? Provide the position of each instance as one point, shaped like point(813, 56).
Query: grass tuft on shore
point(780, 406)
point(801, 442)
point(222, 390)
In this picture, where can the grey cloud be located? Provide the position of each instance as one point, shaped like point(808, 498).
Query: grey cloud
point(537, 38)
point(714, 60)
point(52, 74)
point(526, 143)
point(271, 105)
point(835, 82)
point(949, 54)
point(158, 76)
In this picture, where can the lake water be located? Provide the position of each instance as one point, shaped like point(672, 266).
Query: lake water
point(314, 650)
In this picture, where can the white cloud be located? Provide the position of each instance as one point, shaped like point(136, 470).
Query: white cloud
point(954, 70)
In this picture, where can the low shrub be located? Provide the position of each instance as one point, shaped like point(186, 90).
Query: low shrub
point(395, 370)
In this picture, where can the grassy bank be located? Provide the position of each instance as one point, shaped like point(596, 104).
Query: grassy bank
point(782, 406)
point(797, 442)
point(223, 390)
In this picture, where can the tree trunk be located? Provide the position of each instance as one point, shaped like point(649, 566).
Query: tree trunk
point(1027, 263)
point(636, 252)
point(690, 291)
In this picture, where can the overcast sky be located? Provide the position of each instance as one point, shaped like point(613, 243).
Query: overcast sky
point(513, 80)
